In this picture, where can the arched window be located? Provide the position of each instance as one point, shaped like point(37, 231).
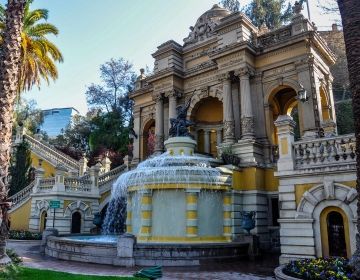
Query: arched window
point(336, 234)
point(76, 222)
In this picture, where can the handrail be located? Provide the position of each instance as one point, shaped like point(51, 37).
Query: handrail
point(51, 152)
point(108, 176)
point(22, 194)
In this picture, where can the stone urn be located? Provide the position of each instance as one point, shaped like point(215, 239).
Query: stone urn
point(97, 221)
point(248, 220)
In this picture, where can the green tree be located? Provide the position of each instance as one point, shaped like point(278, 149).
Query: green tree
point(344, 117)
point(20, 169)
point(272, 13)
point(28, 115)
point(38, 54)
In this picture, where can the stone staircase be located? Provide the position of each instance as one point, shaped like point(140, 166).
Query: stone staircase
point(50, 153)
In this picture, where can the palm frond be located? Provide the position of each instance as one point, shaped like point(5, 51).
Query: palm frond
point(31, 17)
point(51, 49)
point(42, 29)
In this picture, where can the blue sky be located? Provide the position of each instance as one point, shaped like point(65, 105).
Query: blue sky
point(93, 31)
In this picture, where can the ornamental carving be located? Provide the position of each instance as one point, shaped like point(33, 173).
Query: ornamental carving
point(157, 97)
point(247, 125)
point(174, 93)
point(159, 142)
point(229, 130)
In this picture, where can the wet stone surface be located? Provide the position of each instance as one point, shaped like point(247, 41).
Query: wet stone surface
point(261, 269)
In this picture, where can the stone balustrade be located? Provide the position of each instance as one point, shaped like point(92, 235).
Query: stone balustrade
point(325, 151)
point(50, 153)
point(45, 185)
point(22, 195)
point(77, 185)
point(111, 175)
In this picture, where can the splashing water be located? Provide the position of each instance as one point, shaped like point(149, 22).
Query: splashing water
point(158, 170)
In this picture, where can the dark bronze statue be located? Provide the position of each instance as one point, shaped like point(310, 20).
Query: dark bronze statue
point(179, 126)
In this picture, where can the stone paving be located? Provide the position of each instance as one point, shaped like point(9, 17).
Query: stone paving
point(29, 251)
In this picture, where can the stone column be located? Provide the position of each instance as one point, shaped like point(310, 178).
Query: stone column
point(129, 214)
point(39, 174)
point(59, 178)
point(146, 215)
point(247, 117)
point(285, 134)
point(227, 215)
point(229, 123)
point(136, 140)
point(192, 213)
point(173, 96)
point(83, 165)
point(207, 141)
point(218, 137)
point(94, 177)
point(159, 123)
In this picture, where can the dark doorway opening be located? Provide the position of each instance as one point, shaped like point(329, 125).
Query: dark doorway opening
point(76, 222)
point(336, 234)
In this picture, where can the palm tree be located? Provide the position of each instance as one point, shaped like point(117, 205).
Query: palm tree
point(10, 61)
point(38, 54)
point(350, 15)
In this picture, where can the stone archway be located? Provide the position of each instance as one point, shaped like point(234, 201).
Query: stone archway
point(282, 101)
point(207, 114)
point(147, 133)
point(318, 202)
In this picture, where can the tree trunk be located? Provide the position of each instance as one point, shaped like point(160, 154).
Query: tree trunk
point(9, 66)
point(350, 14)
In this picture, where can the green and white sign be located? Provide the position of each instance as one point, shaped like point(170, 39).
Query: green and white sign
point(54, 204)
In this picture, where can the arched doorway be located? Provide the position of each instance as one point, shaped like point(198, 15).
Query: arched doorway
point(283, 101)
point(148, 139)
point(336, 234)
point(76, 222)
point(208, 118)
point(335, 238)
point(43, 220)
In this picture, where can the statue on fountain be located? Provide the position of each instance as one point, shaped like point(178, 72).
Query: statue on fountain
point(179, 126)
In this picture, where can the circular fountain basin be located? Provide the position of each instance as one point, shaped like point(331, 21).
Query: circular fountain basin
point(105, 250)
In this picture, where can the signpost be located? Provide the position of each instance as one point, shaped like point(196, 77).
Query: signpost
point(54, 204)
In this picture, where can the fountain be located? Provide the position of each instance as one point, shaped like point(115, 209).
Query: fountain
point(178, 211)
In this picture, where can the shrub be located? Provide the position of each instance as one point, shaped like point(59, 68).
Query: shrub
point(319, 269)
point(24, 235)
point(13, 256)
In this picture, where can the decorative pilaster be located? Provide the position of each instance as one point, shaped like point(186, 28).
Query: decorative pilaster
point(159, 123)
point(59, 178)
point(146, 214)
point(285, 134)
point(192, 213)
point(227, 215)
point(94, 177)
point(39, 174)
point(136, 139)
point(247, 116)
point(129, 214)
point(229, 123)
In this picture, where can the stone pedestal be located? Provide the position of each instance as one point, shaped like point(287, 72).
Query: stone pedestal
point(180, 146)
point(125, 250)
point(46, 233)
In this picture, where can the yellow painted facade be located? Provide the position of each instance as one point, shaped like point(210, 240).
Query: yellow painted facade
point(49, 169)
point(254, 178)
point(19, 219)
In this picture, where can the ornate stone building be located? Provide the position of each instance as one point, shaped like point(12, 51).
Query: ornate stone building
point(244, 84)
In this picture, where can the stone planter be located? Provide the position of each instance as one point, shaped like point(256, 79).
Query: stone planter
point(279, 275)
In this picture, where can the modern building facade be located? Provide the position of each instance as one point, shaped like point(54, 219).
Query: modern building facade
point(56, 120)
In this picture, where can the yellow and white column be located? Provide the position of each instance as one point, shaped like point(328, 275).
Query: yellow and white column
point(227, 215)
point(192, 213)
point(146, 214)
point(129, 214)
